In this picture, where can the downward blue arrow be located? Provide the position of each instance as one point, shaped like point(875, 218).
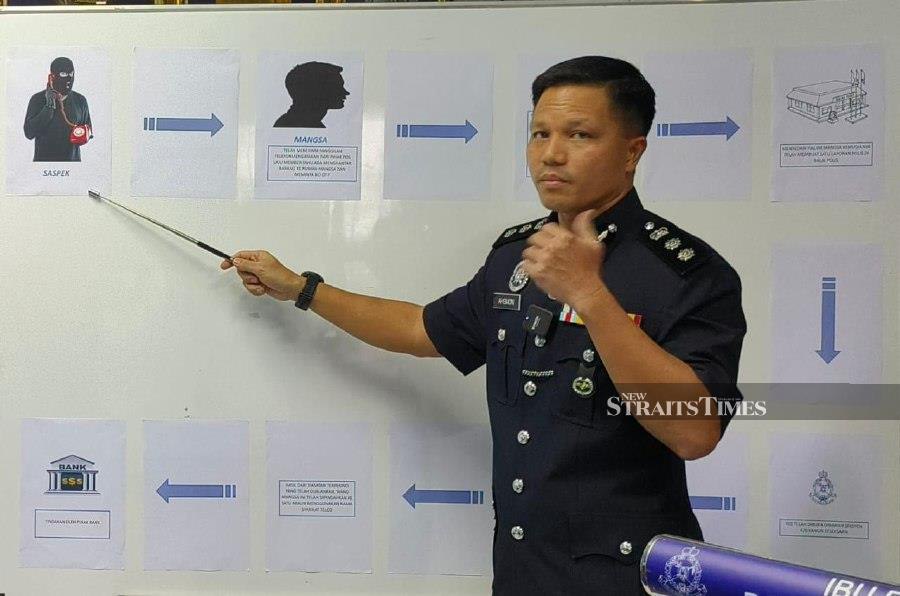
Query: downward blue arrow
point(437, 131)
point(204, 491)
point(446, 497)
point(212, 125)
point(698, 129)
point(826, 349)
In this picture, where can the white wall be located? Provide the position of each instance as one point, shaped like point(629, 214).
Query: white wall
point(103, 317)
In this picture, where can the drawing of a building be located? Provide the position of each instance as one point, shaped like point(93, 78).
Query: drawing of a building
point(830, 100)
point(72, 474)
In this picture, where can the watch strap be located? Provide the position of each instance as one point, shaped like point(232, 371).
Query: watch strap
point(305, 298)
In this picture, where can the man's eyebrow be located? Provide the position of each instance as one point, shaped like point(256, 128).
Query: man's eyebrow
point(568, 123)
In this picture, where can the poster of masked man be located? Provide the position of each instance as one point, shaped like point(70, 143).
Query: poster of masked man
point(58, 121)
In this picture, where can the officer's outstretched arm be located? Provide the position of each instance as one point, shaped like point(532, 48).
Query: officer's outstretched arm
point(388, 324)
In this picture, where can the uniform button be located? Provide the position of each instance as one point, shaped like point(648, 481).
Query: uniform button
point(625, 548)
point(649, 226)
point(524, 436)
point(517, 532)
point(518, 485)
point(540, 341)
point(588, 355)
point(530, 388)
point(501, 334)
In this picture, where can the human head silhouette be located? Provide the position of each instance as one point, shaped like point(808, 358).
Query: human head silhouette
point(316, 85)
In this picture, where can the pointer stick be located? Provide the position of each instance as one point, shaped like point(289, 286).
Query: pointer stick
point(203, 245)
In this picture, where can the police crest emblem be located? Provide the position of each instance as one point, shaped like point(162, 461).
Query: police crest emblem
point(583, 386)
point(822, 490)
point(518, 279)
point(683, 573)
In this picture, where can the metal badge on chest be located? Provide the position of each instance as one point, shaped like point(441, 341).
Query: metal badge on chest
point(519, 279)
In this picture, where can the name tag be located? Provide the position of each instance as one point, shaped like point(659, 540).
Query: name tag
point(507, 301)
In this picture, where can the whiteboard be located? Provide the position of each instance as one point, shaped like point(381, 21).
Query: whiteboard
point(103, 316)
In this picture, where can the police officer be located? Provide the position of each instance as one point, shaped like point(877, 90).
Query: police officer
point(580, 315)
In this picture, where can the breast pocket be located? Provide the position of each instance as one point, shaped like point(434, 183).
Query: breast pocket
point(581, 388)
point(503, 363)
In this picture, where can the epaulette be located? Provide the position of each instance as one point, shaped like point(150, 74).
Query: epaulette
point(520, 231)
point(678, 249)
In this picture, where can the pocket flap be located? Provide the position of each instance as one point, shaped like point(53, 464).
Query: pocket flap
point(621, 536)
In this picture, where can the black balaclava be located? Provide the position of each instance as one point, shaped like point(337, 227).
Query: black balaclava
point(63, 72)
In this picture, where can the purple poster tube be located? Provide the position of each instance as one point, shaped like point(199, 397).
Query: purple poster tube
point(673, 566)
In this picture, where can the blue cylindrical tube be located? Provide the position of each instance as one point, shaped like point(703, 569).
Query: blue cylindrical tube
point(673, 566)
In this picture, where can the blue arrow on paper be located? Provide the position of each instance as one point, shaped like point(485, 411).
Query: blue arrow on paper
point(197, 491)
point(212, 125)
point(826, 349)
point(444, 497)
point(713, 503)
point(698, 129)
point(437, 131)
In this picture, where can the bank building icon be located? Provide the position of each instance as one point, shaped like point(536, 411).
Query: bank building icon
point(72, 474)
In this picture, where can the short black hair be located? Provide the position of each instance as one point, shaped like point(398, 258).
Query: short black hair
point(628, 90)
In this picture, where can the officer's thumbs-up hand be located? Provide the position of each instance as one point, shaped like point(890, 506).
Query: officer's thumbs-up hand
point(567, 263)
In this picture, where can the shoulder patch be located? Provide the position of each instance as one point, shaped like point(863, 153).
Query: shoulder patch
point(678, 249)
point(520, 231)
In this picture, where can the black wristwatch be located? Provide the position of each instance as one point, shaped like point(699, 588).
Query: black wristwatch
point(305, 298)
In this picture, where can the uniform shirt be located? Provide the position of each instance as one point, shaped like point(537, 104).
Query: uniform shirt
point(49, 129)
point(578, 492)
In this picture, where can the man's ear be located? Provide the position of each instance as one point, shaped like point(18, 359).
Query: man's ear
point(635, 149)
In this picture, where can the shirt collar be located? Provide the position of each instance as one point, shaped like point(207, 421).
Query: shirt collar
point(624, 214)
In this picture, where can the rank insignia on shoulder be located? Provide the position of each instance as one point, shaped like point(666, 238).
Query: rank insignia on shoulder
point(678, 249)
point(520, 231)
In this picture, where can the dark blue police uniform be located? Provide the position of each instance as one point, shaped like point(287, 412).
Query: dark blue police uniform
point(579, 492)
